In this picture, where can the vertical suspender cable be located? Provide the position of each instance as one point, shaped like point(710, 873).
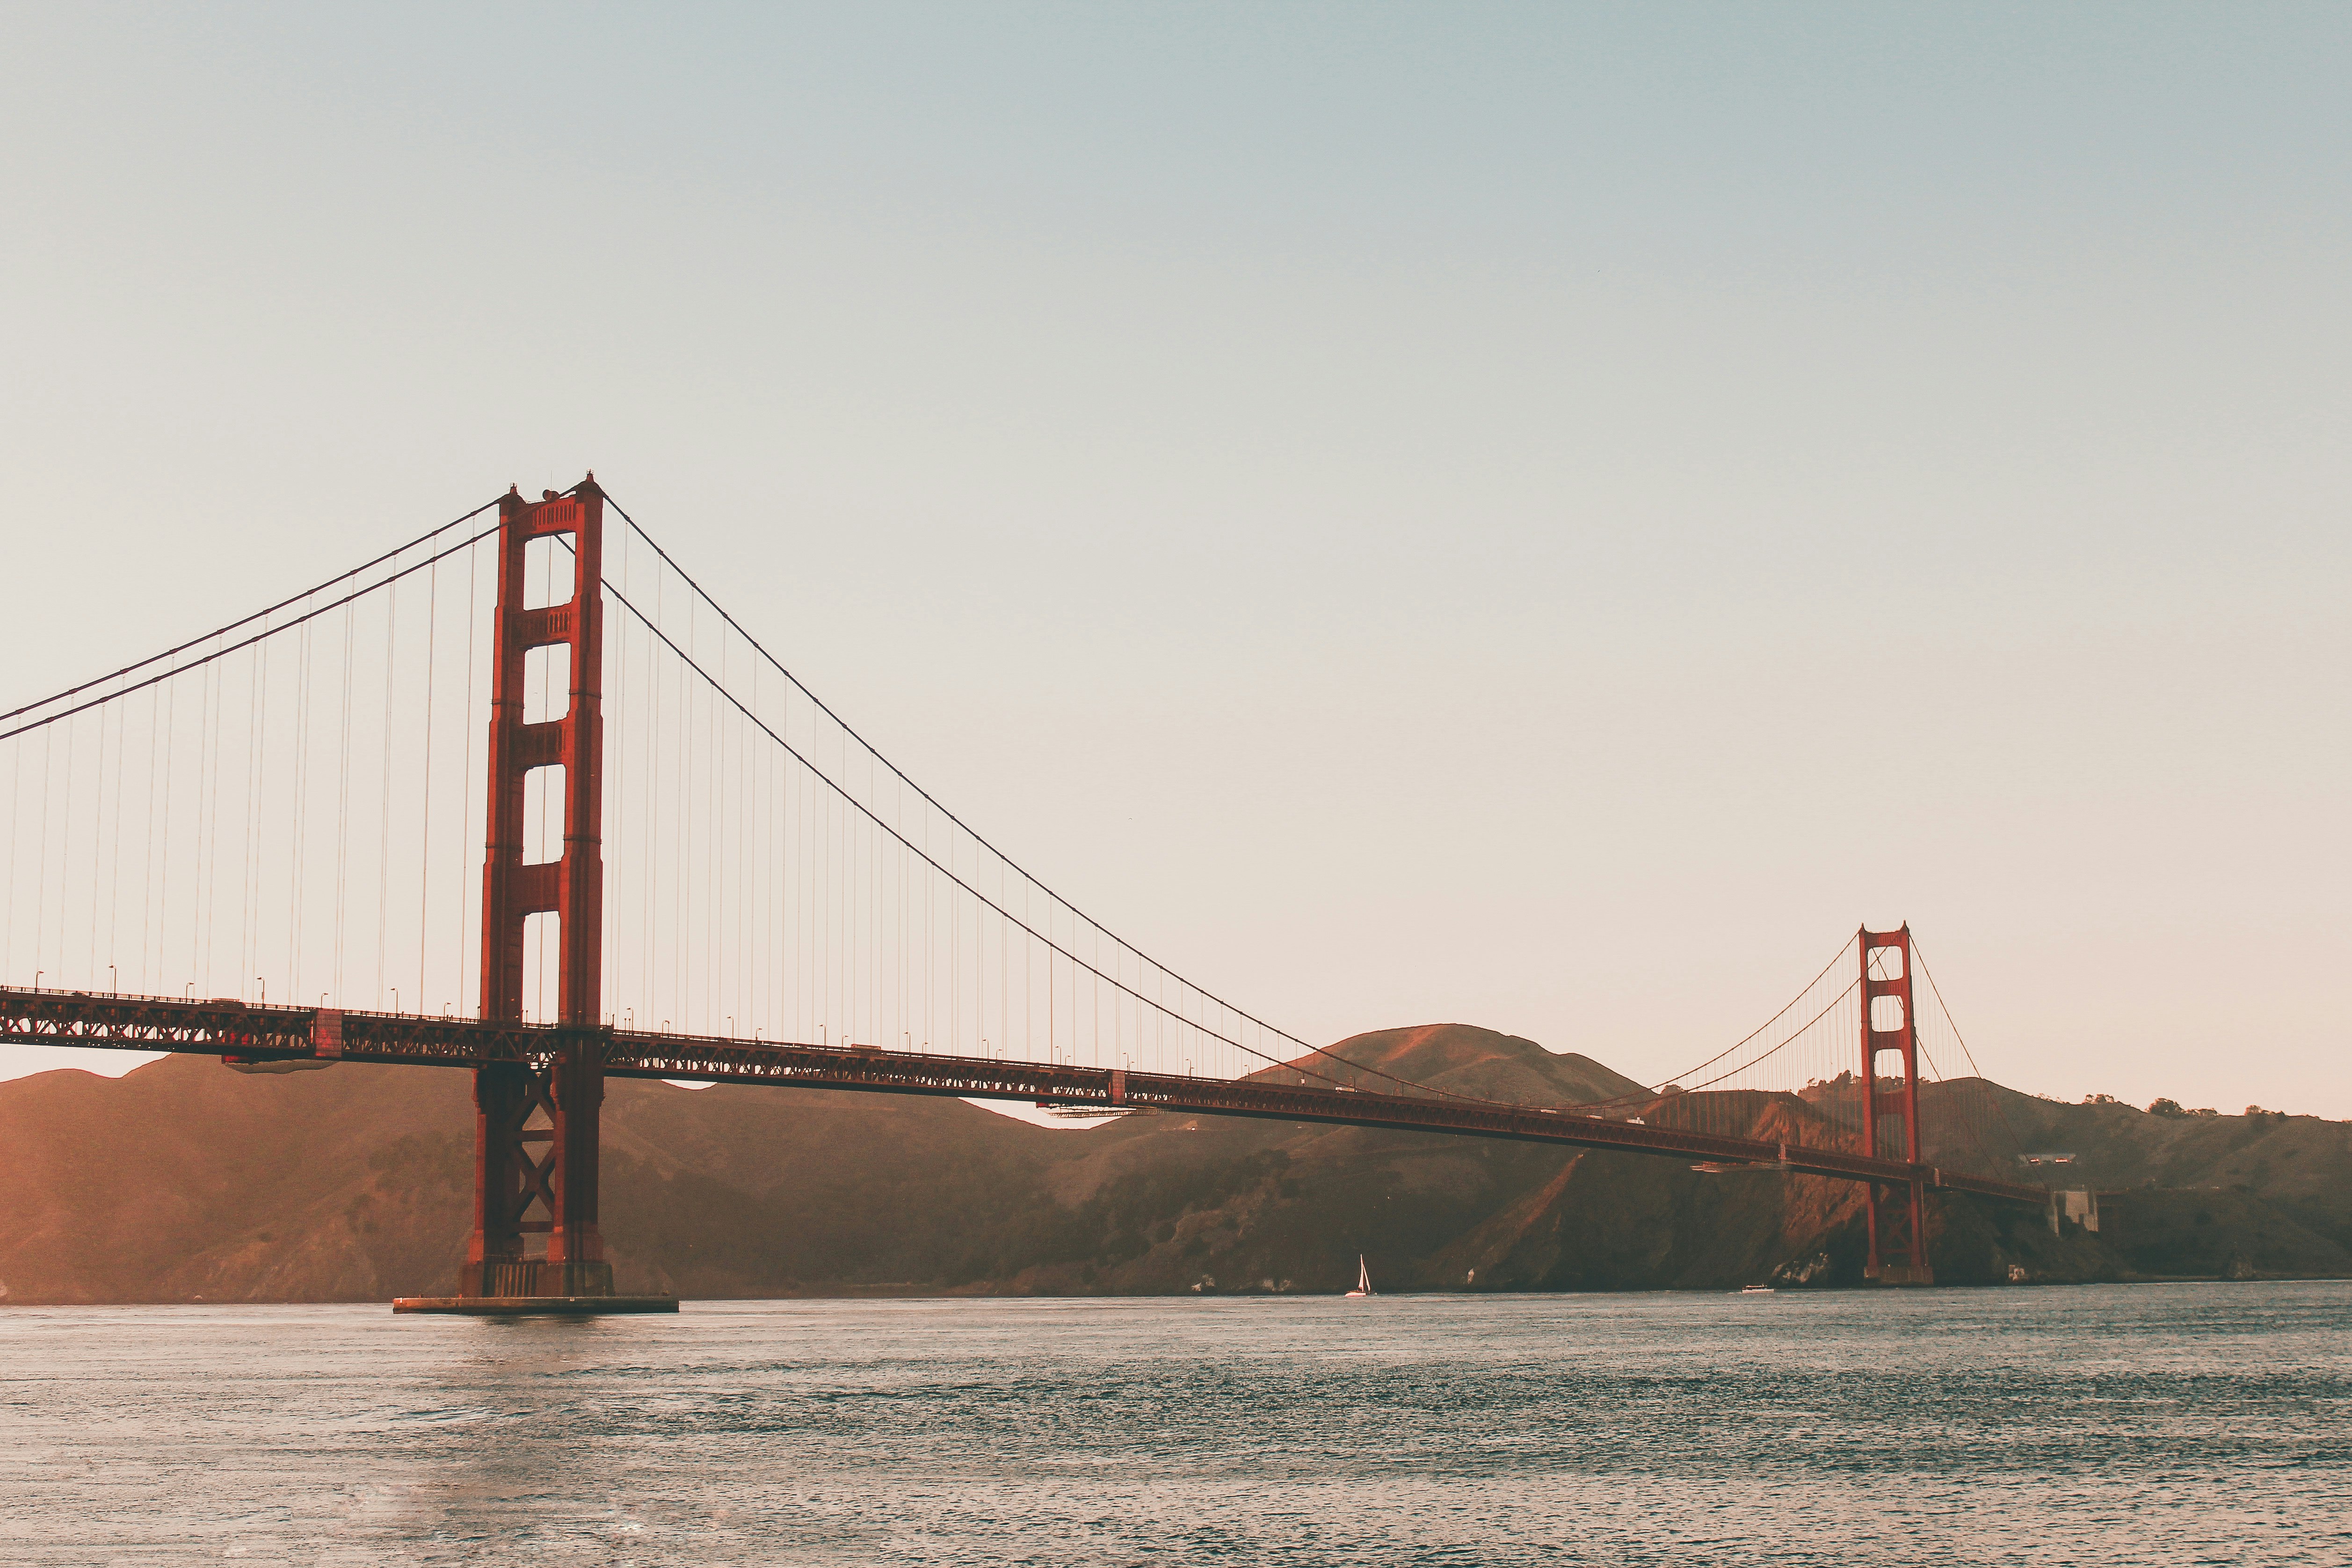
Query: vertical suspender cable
point(425, 826)
point(342, 806)
point(384, 799)
point(465, 774)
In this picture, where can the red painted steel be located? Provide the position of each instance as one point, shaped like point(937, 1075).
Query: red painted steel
point(1898, 1213)
point(278, 1034)
point(565, 1090)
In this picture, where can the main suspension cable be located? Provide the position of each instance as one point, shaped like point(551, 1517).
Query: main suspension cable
point(241, 621)
point(819, 703)
point(1019, 923)
point(220, 653)
point(1051, 945)
point(2016, 1146)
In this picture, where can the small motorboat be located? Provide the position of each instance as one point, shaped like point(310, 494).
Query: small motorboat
point(1363, 1281)
point(1755, 1290)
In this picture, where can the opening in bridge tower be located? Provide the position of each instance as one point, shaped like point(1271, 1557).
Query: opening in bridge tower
point(536, 1130)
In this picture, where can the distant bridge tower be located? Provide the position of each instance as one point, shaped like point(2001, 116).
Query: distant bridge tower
point(518, 1191)
point(1890, 1116)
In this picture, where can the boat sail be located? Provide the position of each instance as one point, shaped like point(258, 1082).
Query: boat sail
point(1364, 1279)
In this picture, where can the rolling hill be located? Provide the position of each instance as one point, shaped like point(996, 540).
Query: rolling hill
point(183, 1181)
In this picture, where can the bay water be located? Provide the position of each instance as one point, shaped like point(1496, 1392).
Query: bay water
point(2177, 1424)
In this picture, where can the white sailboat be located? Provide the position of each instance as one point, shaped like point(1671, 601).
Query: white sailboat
point(1363, 1281)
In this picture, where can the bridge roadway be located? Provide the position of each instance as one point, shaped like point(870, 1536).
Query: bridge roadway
point(263, 1035)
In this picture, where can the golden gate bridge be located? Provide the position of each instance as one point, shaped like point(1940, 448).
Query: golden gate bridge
point(665, 856)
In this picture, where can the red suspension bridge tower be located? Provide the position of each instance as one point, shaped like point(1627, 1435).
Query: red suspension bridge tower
point(536, 1126)
point(1898, 1237)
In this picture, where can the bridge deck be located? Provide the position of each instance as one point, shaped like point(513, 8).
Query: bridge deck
point(302, 1034)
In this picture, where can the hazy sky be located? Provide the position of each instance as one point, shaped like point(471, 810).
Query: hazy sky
point(1541, 517)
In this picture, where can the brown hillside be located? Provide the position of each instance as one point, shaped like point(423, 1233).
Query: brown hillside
point(183, 1180)
point(2274, 1192)
point(1467, 1060)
